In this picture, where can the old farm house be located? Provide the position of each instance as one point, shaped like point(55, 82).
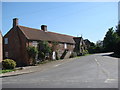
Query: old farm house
point(20, 37)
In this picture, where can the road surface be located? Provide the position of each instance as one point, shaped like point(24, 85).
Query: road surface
point(93, 71)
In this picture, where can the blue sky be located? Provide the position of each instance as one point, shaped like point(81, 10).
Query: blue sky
point(89, 19)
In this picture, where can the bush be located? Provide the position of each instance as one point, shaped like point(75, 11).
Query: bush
point(85, 52)
point(8, 64)
point(44, 50)
point(41, 55)
point(74, 54)
point(32, 52)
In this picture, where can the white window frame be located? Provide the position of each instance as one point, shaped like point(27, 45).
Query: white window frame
point(6, 40)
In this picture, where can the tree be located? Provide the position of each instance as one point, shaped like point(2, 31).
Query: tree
point(92, 44)
point(117, 47)
point(99, 43)
point(118, 29)
point(110, 40)
point(99, 46)
point(32, 52)
point(44, 50)
point(92, 48)
point(54, 46)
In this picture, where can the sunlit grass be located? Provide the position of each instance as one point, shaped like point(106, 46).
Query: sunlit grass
point(7, 70)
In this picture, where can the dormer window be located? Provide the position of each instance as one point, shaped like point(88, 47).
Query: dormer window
point(6, 40)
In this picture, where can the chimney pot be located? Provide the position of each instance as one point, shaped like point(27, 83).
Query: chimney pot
point(15, 22)
point(44, 27)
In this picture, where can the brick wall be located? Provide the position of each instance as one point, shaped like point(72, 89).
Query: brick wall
point(59, 48)
point(16, 46)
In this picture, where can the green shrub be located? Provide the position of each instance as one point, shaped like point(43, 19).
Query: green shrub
point(41, 55)
point(85, 52)
point(32, 52)
point(44, 50)
point(8, 64)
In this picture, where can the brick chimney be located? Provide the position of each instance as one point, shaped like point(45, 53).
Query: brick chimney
point(15, 22)
point(44, 28)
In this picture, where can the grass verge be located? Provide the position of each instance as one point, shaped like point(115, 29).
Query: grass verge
point(7, 70)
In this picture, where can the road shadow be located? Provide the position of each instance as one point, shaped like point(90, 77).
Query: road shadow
point(112, 55)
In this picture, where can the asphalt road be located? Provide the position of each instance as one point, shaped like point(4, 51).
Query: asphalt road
point(93, 71)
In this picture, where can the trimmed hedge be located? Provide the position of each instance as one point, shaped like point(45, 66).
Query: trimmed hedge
point(8, 64)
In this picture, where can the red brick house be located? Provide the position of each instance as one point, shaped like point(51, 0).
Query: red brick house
point(1, 51)
point(20, 37)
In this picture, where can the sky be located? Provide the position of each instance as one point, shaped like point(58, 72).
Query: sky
point(90, 20)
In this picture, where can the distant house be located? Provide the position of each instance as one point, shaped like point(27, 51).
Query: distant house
point(80, 45)
point(20, 37)
point(1, 51)
point(87, 43)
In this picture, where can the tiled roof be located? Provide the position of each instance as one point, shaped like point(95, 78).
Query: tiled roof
point(36, 34)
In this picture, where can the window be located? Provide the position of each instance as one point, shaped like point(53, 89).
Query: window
point(34, 43)
point(65, 46)
point(6, 40)
point(6, 54)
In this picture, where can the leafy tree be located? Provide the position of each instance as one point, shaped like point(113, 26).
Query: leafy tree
point(44, 50)
point(110, 40)
point(117, 47)
point(54, 45)
point(32, 52)
point(118, 30)
point(99, 43)
point(92, 44)
point(96, 48)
